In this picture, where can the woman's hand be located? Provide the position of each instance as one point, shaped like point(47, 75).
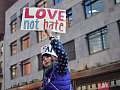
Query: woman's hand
point(48, 32)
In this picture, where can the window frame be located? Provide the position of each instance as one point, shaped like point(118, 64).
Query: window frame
point(116, 2)
point(40, 36)
point(13, 45)
point(40, 64)
point(102, 41)
point(90, 4)
point(26, 39)
point(1, 70)
point(24, 67)
point(15, 65)
point(69, 51)
point(11, 25)
point(119, 26)
point(1, 49)
point(20, 18)
point(68, 16)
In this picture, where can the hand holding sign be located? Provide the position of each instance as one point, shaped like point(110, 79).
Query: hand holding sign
point(42, 18)
point(48, 32)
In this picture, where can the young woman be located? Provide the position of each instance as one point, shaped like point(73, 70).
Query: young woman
point(57, 76)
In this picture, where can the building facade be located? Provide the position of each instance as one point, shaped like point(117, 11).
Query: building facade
point(3, 7)
point(92, 42)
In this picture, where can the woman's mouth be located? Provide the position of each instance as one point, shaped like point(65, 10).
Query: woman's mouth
point(46, 63)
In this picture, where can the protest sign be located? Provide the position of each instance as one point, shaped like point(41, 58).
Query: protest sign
point(42, 18)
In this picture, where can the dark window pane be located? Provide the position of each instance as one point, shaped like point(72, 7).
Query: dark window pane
point(39, 62)
point(70, 49)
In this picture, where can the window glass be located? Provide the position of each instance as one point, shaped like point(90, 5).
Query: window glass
point(14, 48)
point(14, 25)
point(70, 49)
point(98, 40)
point(26, 67)
point(41, 36)
point(57, 1)
point(117, 1)
point(39, 62)
point(69, 18)
point(25, 41)
point(14, 71)
point(92, 7)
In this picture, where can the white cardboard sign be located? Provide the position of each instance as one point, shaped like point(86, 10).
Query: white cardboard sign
point(42, 18)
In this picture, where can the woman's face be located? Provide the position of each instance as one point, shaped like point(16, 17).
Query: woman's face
point(47, 61)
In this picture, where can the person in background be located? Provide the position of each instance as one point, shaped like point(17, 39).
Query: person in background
point(56, 72)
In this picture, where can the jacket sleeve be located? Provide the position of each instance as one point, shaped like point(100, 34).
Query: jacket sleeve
point(62, 57)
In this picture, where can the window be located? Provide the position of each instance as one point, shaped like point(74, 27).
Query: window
point(117, 1)
point(69, 18)
point(21, 12)
point(70, 49)
point(1, 50)
point(114, 82)
point(1, 67)
point(25, 42)
point(14, 25)
point(41, 36)
point(98, 40)
point(14, 71)
point(41, 4)
point(14, 48)
point(20, 18)
point(92, 7)
point(119, 26)
point(57, 1)
point(25, 67)
point(39, 62)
